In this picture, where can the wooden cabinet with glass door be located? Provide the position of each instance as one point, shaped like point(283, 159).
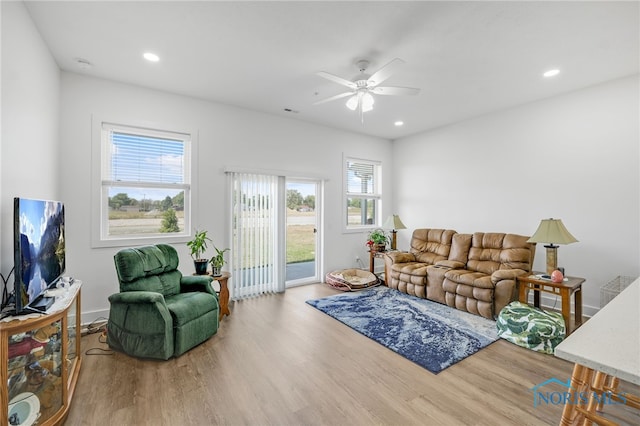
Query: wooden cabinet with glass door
point(39, 363)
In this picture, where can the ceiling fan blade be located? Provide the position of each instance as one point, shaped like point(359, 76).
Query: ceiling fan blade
point(333, 98)
point(336, 79)
point(385, 72)
point(390, 90)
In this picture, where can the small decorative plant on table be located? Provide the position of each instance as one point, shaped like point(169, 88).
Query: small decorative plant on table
point(198, 246)
point(217, 261)
point(377, 240)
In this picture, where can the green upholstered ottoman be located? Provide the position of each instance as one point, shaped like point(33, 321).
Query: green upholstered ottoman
point(531, 327)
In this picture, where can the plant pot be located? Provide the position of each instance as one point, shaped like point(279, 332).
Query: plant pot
point(201, 266)
point(379, 247)
point(216, 271)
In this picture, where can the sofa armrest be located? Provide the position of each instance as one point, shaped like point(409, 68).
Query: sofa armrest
point(201, 283)
point(507, 274)
point(451, 264)
point(504, 293)
point(400, 257)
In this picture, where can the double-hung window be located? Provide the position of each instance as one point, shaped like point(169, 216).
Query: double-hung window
point(363, 195)
point(145, 183)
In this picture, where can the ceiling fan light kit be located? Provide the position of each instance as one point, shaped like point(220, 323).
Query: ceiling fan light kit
point(362, 90)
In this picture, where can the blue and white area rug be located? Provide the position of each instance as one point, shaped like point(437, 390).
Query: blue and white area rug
point(430, 334)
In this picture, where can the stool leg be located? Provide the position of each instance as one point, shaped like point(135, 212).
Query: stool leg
point(580, 382)
point(596, 389)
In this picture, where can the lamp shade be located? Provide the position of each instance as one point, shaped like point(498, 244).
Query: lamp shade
point(552, 231)
point(393, 222)
point(352, 102)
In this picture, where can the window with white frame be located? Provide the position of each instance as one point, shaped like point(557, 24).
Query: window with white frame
point(145, 183)
point(363, 195)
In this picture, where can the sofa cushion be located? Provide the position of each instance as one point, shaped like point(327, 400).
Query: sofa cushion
point(460, 246)
point(134, 263)
point(484, 255)
point(472, 278)
point(186, 307)
point(411, 268)
point(516, 253)
point(149, 268)
point(431, 245)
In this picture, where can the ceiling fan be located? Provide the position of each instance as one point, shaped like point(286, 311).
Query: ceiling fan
point(365, 86)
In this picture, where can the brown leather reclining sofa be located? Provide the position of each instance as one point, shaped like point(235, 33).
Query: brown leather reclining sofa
point(471, 272)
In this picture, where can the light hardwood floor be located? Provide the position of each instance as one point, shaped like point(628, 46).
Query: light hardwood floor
point(277, 361)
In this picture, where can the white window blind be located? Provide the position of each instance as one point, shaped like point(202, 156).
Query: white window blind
point(140, 158)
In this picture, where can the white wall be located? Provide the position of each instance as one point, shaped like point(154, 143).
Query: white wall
point(573, 157)
point(228, 137)
point(29, 145)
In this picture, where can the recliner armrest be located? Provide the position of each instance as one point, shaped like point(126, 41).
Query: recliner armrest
point(507, 274)
point(201, 283)
point(400, 257)
point(137, 297)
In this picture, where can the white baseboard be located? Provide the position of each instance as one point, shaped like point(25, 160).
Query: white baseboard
point(555, 304)
point(94, 317)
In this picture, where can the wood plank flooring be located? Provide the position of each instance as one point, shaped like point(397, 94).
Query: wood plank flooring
point(278, 361)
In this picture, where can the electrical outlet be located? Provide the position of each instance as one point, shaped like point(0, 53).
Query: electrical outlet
point(357, 258)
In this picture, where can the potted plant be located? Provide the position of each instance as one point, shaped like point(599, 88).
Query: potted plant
point(217, 261)
point(198, 246)
point(377, 240)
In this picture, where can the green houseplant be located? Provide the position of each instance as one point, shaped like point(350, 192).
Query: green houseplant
point(198, 246)
point(217, 261)
point(377, 240)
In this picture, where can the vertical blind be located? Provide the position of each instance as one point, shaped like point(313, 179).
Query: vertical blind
point(256, 226)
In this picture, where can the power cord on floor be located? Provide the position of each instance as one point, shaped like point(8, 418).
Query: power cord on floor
point(99, 325)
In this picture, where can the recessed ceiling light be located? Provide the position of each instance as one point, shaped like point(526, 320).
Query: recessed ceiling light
point(551, 73)
point(151, 57)
point(398, 123)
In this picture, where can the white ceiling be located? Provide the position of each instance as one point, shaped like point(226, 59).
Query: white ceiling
point(469, 58)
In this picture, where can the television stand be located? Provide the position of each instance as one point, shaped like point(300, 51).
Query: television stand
point(40, 362)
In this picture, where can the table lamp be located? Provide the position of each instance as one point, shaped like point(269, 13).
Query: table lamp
point(552, 231)
point(393, 222)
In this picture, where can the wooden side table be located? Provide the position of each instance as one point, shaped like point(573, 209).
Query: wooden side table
point(572, 286)
point(372, 256)
point(224, 294)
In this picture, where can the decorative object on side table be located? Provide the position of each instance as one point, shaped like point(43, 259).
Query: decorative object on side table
point(198, 246)
point(393, 222)
point(217, 262)
point(552, 231)
point(377, 240)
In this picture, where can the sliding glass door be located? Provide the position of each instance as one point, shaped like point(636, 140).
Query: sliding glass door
point(302, 231)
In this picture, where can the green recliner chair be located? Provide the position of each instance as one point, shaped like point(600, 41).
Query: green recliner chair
point(159, 313)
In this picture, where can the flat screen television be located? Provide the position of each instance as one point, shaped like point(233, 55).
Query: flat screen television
point(39, 251)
